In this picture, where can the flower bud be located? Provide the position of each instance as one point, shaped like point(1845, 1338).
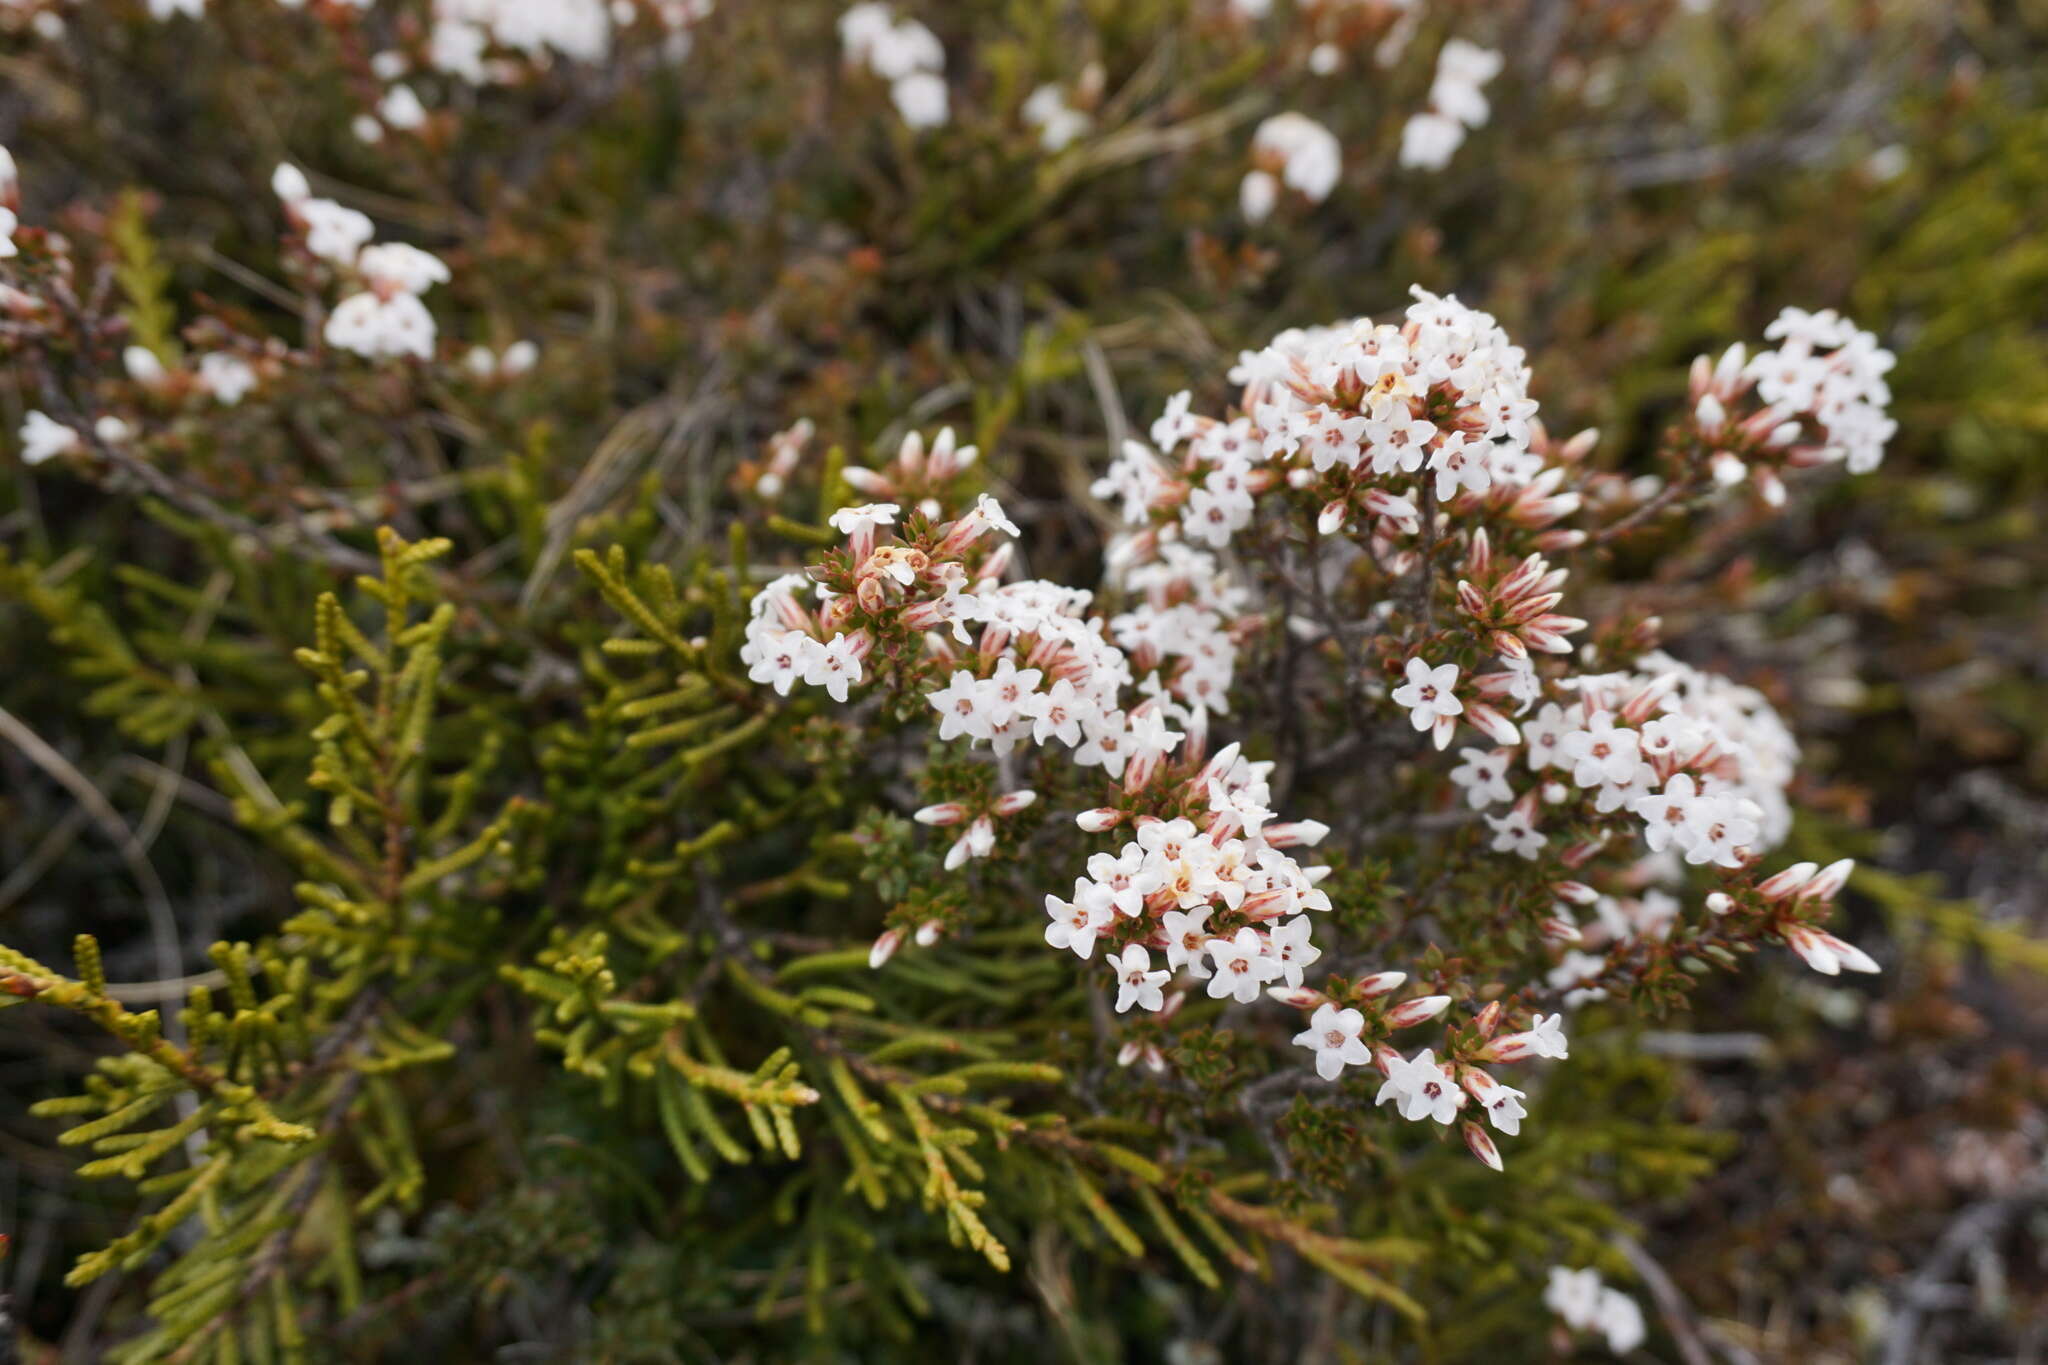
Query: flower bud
point(1409, 1013)
point(1828, 881)
point(1297, 997)
point(885, 947)
point(1380, 983)
point(1479, 1144)
point(1097, 820)
point(1009, 803)
point(944, 813)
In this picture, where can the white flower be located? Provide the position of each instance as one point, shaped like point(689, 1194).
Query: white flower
point(1137, 983)
point(226, 376)
point(43, 438)
point(1309, 155)
point(1242, 967)
point(1187, 940)
point(1516, 833)
point(401, 108)
point(1722, 829)
point(1599, 752)
point(1333, 1036)
point(1075, 923)
point(395, 265)
point(832, 665)
point(1430, 698)
point(779, 662)
point(1543, 1038)
point(334, 232)
point(992, 512)
point(1421, 1089)
point(920, 98)
point(1620, 1318)
point(1574, 1295)
point(1502, 1103)
point(1428, 141)
point(8, 223)
point(1483, 775)
point(1057, 122)
point(848, 520)
point(1289, 946)
point(373, 326)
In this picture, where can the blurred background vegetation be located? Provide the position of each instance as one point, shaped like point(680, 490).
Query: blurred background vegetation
point(707, 250)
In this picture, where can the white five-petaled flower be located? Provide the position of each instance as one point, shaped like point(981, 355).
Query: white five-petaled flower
point(1502, 1103)
point(1573, 1295)
point(43, 437)
point(1242, 966)
point(1430, 698)
point(832, 665)
point(1333, 1035)
point(1421, 1088)
point(848, 520)
point(1137, 983)
point(1075, 923)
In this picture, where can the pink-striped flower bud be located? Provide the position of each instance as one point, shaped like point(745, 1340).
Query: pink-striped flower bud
point(1828, 882)
point(1097, 820)
point(1479, 1144)
point(1558, 929)
point(885, 947)
point(1009, 803)
point(1297, 997)
point(1330, 520)
point(1295, 834)
point(1487, 1021)
point(1578, 893)
point(928, 933)
point(1492, 723)
point(1379, 984)
point(1719, 902)
point(868, 482)
point(1420, 1010)
point(942, 814)
point(1779, 885)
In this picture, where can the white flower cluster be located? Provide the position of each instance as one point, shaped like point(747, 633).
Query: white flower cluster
point(1826, 366)
point(384, 317)
point(1823, 398)
point(1058, 122)
point(1362, 412)
point(902, 52)
point(1431, 138)
point(1290, 151)
point(1586, 1305)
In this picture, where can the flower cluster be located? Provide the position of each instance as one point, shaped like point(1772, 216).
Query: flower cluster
point(1456, 103)
point(1052, 111)
point(902, 52)
point(1409, 447)
point(1586, 1305)
point(1290, 151)
point(1819, 398)
point(384, 316)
